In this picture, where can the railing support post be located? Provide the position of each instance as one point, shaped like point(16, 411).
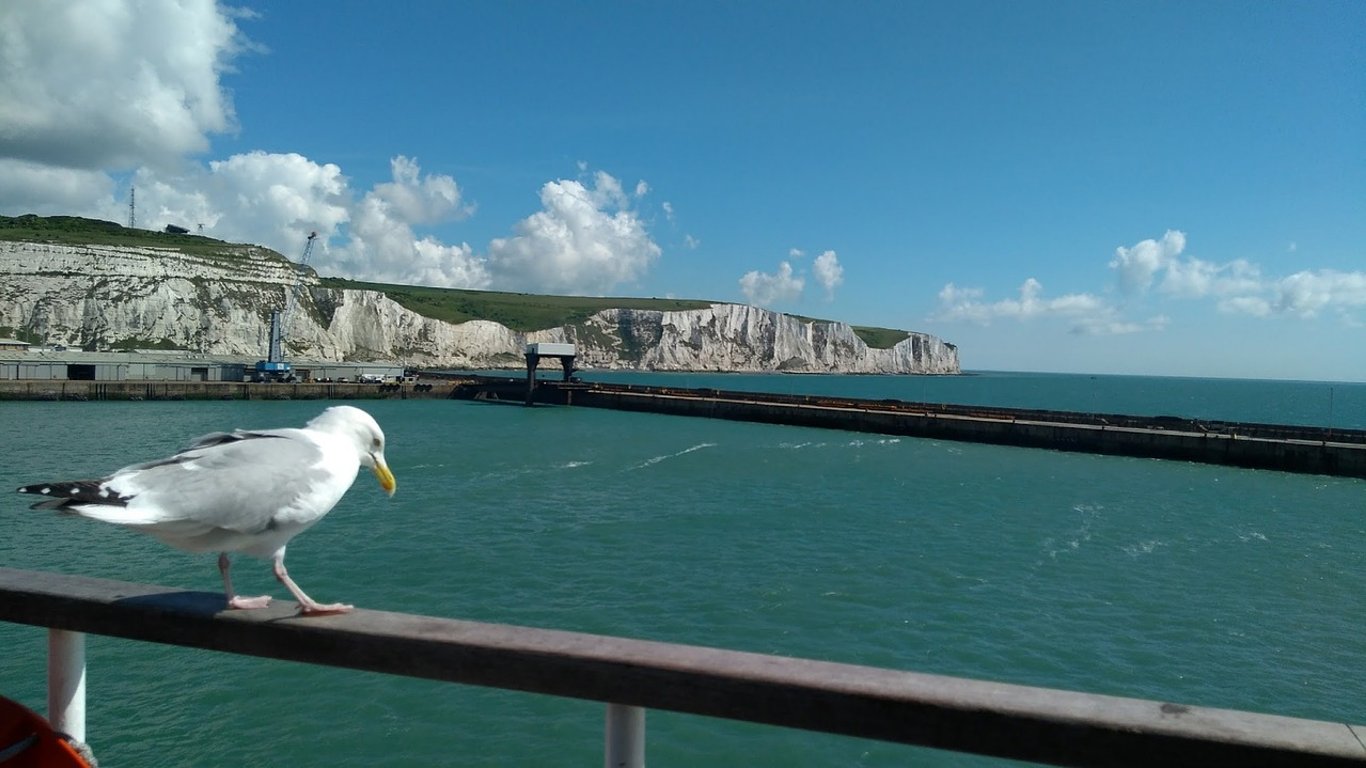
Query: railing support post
point(625, 737)
point(66, 682)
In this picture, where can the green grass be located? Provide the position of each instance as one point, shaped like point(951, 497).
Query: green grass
point(518, 311)
point(535, 312)
point(880, 338)
point(73, 230)
point(876, 338)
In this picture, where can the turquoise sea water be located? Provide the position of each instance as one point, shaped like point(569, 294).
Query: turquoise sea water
point(1190, 583)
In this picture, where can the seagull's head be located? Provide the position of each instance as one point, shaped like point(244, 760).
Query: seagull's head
point(369, 438)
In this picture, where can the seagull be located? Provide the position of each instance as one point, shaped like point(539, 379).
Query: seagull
point(248, 491)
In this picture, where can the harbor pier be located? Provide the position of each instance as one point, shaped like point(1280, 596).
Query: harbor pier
point(1305, 449)
point(63, 389)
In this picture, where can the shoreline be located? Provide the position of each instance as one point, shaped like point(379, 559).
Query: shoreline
point(67, 390)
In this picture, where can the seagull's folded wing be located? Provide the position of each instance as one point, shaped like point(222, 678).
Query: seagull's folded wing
point(235, 486)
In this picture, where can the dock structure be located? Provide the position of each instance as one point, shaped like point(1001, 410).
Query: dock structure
point(223, 390)
point(630, 676)
point(1311, 450)
point(538, 350)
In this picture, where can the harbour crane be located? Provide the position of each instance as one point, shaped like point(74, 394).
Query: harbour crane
point(274, 367)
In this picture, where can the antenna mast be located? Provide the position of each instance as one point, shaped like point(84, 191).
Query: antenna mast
point(132, 207)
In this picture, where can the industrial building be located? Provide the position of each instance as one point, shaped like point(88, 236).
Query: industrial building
point(47, 364)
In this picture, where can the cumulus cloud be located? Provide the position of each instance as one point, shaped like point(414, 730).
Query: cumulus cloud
point(113, 85)
point(584, 240)
point(383, 245)
point(1083, 312)
point(419, 199)
point(1137, 265)
point(1194, 278)
point(766, 289)
point(1235, 287)
point(828, 272)
point(130, 90)
point(257, 197)
point(29, 187)
point(1137, 269)
point(788, 283)
point(1246, 305)
point(276, 199)
point(1306, 294)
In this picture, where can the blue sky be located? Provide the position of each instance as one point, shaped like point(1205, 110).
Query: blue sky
point(1101, 187)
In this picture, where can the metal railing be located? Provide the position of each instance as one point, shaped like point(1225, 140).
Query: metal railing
point(987, 718)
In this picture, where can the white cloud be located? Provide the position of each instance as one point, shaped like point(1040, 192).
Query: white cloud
point(93, 89)
point(787, 284)
point(828, 272)
point(1236, 287)
point(1083, 312)
point(1247, 305)
point(383, 246)
point(1308, 293)
point(256, 197)
point(113, 84)
point(607, 191)
point(28, 187)
point(1194, 278)
point(691, 242)
point(668, 210)
point(764, 289)
point(1137, 265)
point(420, 200)
point(277, 199)
point(583, 241)
point(952, 296)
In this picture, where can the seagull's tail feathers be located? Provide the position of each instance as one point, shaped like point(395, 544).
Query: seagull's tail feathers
point(87, 498)
point(72, 492)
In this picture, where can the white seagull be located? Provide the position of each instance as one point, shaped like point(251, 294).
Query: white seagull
point(245, 491)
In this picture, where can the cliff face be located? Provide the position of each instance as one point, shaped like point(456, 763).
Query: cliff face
point(735, 337)
point(99, 297)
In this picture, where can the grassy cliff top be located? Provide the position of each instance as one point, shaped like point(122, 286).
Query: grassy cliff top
point(518, 311)
point(534, 312)
point(73, 230)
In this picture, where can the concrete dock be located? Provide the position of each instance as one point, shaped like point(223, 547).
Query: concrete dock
point(1312, 450)
point(219, 390)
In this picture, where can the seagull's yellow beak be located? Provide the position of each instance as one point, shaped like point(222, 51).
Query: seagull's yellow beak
point(385, 477)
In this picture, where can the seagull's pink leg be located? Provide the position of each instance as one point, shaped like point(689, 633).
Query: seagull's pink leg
point(235, 600)
point(307, 605)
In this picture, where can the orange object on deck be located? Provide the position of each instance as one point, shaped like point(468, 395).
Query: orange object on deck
point(27, 741)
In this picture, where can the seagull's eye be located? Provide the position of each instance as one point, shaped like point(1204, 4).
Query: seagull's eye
point(375, 444)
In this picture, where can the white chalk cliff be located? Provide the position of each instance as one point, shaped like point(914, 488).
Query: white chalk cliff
point(98, 297)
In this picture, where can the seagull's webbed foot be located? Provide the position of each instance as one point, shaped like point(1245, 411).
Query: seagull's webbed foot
point(317, 609)
point(248, 603)
point(307, 605)
point(236, 601)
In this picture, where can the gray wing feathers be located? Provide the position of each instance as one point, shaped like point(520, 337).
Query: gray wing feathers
point(238, 485)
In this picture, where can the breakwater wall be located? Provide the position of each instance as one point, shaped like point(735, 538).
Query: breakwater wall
point(1290, 448)
point(218, 390)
